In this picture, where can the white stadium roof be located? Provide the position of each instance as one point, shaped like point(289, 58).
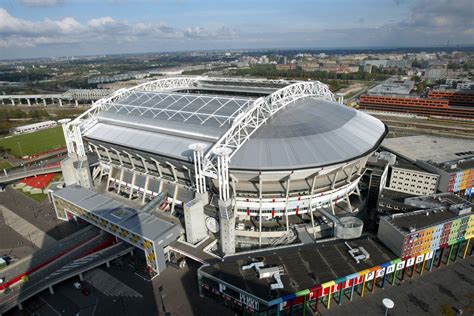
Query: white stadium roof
point(300, 126)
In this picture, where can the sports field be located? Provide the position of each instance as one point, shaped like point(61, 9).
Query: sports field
point(32, 143)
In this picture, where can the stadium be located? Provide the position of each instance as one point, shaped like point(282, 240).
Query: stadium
point(244, 162)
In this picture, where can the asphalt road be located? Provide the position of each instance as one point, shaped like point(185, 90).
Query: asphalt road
point(430, 294)
point(13, 244)
point(174, 291)
point(42, 255)
point(41, 215)
point(28, 166)
point(40, 275)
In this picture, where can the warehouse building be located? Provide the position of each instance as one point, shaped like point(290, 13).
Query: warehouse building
point(456, 98)
point(451, 159)
point(410, 179)
point(443, 220)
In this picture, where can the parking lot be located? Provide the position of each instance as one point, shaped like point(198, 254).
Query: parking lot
point(434, 293)
point(119, 290)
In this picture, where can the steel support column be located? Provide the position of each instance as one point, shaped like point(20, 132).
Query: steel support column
point(458, 251)
point(329, 297)
point(120, 180)
point(352, 289)
point(134, 177)
point(287, 195)
point(384, 277)
point(147, 181)
point(423, 267)
point(374, 283)
point(440, 257)
point(432, 261)
point(449, 254)
point(467, 247)
point(310, 207)
point(363, 288)
point(260, 194)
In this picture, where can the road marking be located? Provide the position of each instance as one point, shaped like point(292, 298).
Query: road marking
point(109, 285)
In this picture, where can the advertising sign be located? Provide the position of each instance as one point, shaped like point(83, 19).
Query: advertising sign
point(369, 276)
point(410, 262)
point(400, 265)
point(390, 269)
point(380, 273)
point(419, 258)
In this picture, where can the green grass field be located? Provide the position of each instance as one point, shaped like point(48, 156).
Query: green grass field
point(33, 143)
point(4, 164)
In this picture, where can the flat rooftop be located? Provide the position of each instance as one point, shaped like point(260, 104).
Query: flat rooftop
point(446, 200)
point(420, 220)
point(406, 164)
point(395, 195)
point(133, 220)
point(304, 266)
point(436, 149)
point(392, 88)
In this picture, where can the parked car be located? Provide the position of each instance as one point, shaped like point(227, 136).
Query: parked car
point(86, 291)
point(77, 285)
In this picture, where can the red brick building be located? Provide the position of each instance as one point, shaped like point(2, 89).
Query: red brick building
point(457, 98)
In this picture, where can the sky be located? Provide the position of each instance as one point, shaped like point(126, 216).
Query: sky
point(47, 28)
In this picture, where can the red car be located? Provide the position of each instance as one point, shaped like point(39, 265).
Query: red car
point(86, 291)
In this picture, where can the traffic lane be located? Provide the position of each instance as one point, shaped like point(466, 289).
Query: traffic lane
point(29, 166)
point(43, 255)
point(109, 254)
point(53, 267)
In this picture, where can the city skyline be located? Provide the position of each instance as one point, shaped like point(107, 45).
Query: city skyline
point(47, 28)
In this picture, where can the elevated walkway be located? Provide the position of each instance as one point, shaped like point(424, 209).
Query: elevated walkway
point(196, 253)
point(60, 271)
point(21, 174)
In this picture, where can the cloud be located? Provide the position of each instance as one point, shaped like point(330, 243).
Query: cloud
point(17, 32)
point(427, 22)
point(219, 33)
point(41, 3)
point(10, 25)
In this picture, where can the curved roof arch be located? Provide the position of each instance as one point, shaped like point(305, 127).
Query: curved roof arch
point(296, 127)
point(263, 108)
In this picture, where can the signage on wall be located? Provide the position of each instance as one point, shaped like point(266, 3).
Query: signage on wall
point(400, 265)
point(419, 258)
point(222, 287)
point(249, 301)
point(410, 262)
point(369, 276)
point(390, 269)
point(380, 273)
point(429, 255)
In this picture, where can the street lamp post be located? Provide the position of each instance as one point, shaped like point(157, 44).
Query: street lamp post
point(389, 304)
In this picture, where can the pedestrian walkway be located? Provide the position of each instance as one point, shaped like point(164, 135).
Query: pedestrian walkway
point(109, 285)
point(35, 235)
